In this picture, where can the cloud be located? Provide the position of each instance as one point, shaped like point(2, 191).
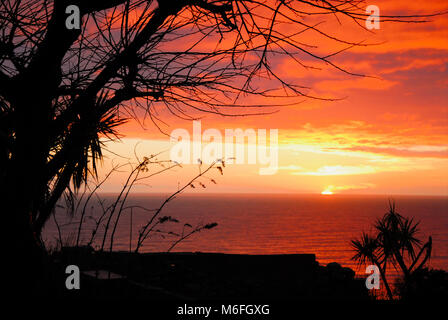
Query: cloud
point(358, 83)
point(416, 151)
point(338, 170)
point(291, 168)
point(362, 186)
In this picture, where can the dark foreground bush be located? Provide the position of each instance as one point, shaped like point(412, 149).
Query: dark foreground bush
point(424, 284)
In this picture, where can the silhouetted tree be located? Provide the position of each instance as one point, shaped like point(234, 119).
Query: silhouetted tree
point(62, 89)
point(394, 244)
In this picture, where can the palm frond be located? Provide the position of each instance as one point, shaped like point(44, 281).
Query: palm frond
point(365, 248)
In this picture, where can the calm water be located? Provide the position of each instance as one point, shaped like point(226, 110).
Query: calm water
point(269, 224)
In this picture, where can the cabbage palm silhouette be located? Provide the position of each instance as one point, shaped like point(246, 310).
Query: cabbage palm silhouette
point(394, 244)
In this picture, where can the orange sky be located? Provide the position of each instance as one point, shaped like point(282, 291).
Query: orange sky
point(389, 135)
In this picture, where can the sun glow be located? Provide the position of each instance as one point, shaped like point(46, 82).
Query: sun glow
point(327, 191)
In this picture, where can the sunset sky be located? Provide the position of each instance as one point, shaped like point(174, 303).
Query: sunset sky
point(388, 134)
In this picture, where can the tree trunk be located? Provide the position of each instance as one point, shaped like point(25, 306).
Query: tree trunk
point(25, 253)
point(23, 189)
point(383, 277)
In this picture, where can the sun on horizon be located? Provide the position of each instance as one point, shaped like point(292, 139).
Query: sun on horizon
point(327, 191)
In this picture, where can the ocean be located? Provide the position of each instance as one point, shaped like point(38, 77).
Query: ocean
point(260, 224)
